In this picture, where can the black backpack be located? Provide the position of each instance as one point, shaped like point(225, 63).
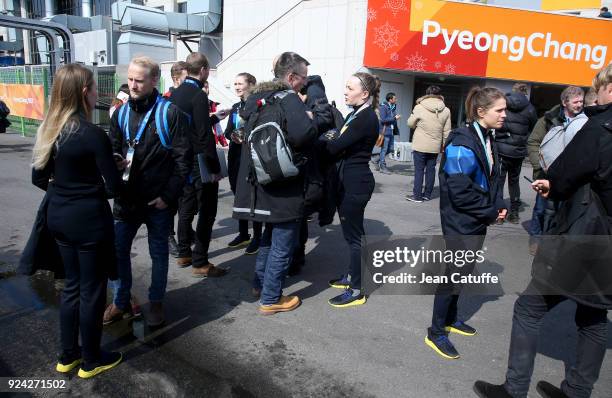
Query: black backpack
point(271, 156)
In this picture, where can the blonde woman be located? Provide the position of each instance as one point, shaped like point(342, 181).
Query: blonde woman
point(73, 161)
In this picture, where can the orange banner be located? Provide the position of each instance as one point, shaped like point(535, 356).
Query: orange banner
point(436, 36)
point(24, 100)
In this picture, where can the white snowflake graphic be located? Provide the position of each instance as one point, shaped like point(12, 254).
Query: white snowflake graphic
point(450, 69)
point(386, 36)
point(371, 14)
point(394, 57)
point(438, 64)
point(416, 62)
point(395, 6)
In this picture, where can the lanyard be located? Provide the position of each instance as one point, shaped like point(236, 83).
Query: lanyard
point(351, 117)
point(141, 126)
point(237, 117)
point(484, 144)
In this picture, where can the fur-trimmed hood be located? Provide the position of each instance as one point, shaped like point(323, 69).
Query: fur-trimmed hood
point(262, 90)
point(272, 85)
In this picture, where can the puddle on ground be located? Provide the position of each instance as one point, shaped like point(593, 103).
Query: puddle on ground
point(20, 293)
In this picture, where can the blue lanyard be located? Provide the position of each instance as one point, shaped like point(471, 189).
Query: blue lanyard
point(484, 143)
point(237, 117)
point(350, 118)
point(192, 82)
point(141, 126)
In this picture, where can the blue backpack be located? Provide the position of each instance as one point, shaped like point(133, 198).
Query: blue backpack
point(161, 121)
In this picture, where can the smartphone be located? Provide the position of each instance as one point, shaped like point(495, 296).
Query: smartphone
point(528, 179)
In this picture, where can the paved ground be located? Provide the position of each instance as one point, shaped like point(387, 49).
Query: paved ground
point(216, 345)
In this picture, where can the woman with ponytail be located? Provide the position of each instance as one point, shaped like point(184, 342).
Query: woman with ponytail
point(470, 200)
point(73, 162)
point(352, 151)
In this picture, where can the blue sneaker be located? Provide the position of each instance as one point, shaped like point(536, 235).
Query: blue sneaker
point(443, 346)
point(347, 299)
point(340, 283)
point(461, 328)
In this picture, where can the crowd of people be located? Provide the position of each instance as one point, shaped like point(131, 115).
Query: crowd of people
point(292, 154)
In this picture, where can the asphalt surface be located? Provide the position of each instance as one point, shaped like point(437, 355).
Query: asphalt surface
point(215, 344)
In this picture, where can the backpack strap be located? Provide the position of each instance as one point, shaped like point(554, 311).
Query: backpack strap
point(161, 123)
point(122, 118)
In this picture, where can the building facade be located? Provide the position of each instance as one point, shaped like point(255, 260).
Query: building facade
point(385, 37)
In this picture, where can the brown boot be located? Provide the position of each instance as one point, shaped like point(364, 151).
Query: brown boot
point(156, 314)
point(286, 303)
point(208, 271)
point(113, 314)
point(183, 262)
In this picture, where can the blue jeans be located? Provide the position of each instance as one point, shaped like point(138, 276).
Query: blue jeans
point(386, 148)
point(537, 219)
point(424, 165)
point(158, 227)
point(278, 243)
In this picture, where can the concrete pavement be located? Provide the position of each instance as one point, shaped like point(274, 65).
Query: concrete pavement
point(215, 344)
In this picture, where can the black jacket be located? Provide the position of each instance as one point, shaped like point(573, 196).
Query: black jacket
point(521, 117)
point(75, 208)
point(190, 98)
point(156, 171)
point(586, 159)
point(233, 153)
point(281, 201)
point(353, 150)
point(466, 208)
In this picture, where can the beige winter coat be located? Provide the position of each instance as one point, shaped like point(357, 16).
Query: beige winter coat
point(432, 121)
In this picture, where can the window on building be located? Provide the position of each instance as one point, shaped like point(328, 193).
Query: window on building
point(70, 7)
point(182, 7)
point(35, 9)
point(102, 7)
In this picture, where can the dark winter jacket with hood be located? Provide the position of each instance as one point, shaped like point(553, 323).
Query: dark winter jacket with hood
point(470, 196)
point(281, 201)
point(521, 117)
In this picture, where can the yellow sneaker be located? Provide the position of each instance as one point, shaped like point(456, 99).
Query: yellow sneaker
point(108, 361)
point(65, 367)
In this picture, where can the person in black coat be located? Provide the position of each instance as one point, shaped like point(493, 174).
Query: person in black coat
point(352, 149)
point(198, 196)
point(73, 162)
point(587, 159)
point(511, 140)
point(234, 132)
point(470, 200)
point(280, 204)
point(155, 168)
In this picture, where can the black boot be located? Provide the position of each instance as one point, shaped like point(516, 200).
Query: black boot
point(488, 390)
point(547, 390)
point(513, 217)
